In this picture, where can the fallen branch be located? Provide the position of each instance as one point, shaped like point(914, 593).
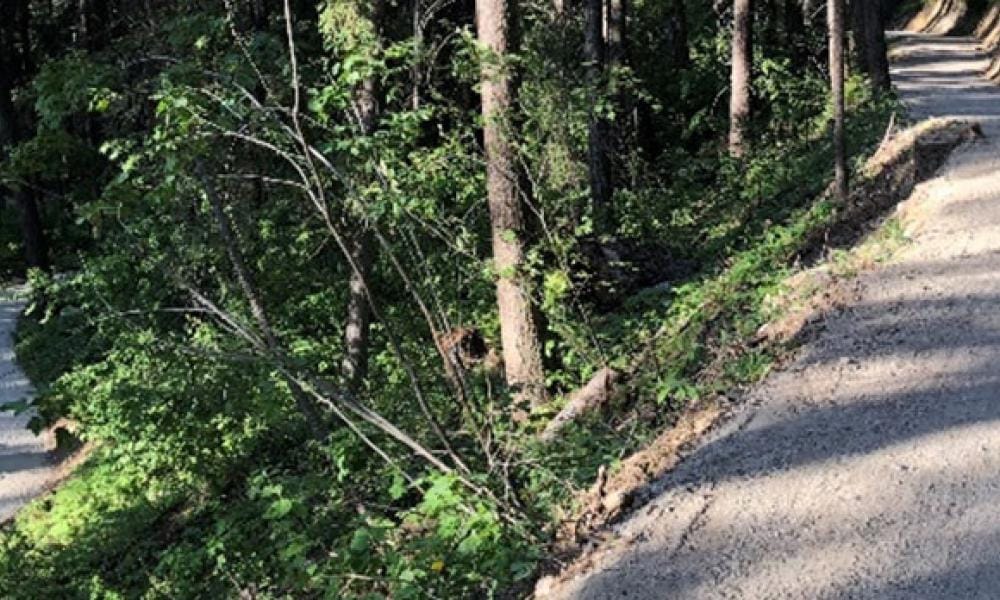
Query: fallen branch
point(594, 394)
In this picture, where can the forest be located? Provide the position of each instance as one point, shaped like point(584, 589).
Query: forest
point(366, 298)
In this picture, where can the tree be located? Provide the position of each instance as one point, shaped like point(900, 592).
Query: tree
point(868, 18)
point(615, 31)
point(740, 79)
point(678, 27)
point(366, 108)
point(795, 24)
point(518, 331)
point(835, 17)
point(15, 61)
point(93, 19)
point(595, 54)
point(259, 14)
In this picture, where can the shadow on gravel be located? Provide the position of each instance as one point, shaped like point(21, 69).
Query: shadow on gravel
point(866, 411)
point(23, 461)
point(915, 374)
point(699, 571)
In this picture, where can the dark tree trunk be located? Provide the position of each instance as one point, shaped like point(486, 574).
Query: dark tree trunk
point(868, 22)
point(740, 80)
point(795, 25)
point(93, 21)
point(616, 33)
point(680, 51)
point(260, 13)
point(597, 146)
point(20, 60)
point(15, 65)
point(772, 17)
point(835, 16)
point(518, 330)
point(36, 253)
point(620, 132)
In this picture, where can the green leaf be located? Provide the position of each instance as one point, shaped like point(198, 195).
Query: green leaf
point(279, 509)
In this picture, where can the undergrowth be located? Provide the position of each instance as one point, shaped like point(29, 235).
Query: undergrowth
point(169, 516)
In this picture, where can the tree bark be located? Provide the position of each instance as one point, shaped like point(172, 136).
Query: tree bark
point(868, 18)
point(36, 250)
point(740, 79)
point(357, 332)
point(616, 33)
point(259, 14)
point(772, 16)
point(835, 17)
point(418, 45)
point(518, 330)
point(593, 395)
point(599, 166)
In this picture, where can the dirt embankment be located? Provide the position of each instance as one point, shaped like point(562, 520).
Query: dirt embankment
point(904, 160)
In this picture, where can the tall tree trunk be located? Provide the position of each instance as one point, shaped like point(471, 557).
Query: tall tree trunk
point(835, 16)
point(857, 35)
point(680, 52)
point(597, 145)
point(418, 49)
point(36, 252)
point(518, 331)
point(616, 33)
point(93, 20)
point(772, 17)
point(621, 131)
point(358, 327)
point(795, 28)
point(740, 80)
point(259, 14)
point(868, 18)
point(22, 60)
point(357, 332)
point(15, 63)
point(878, 48)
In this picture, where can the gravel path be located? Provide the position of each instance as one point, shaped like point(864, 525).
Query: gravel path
point(870, 468)
point(25, 468)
